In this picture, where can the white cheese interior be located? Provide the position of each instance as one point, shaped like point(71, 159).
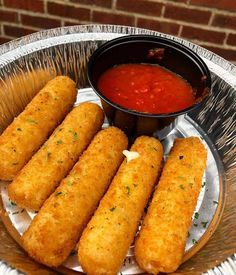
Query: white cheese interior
point(130, 155)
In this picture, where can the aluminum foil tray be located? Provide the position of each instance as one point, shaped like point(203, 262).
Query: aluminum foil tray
point(28, 63)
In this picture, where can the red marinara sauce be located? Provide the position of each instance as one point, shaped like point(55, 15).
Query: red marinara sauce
point(146, 88)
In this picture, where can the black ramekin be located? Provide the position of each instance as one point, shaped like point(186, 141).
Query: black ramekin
point(148, 49)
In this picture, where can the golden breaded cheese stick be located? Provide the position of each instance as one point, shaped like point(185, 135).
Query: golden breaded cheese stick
point(54, 232)
point(107, 237)
point(42, 174)
point(161, 241)
point(30, 129)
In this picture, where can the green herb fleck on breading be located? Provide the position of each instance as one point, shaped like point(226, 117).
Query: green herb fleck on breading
point(75, 136)
point(215, 202)
point(48, 154)
point(204, 224)
point(127, 190)
point(19, 129)
point(69, 183)
point(191, 185)
point(196, 215)
point(194, 241)
point(203, 184)
point(112, 209)
point(58, 194)
point(30, 120)
point(181, 186)
point(59, 142)
point(15, 213)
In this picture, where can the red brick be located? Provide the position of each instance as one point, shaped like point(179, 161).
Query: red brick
point(140, 6)
point(204, 35)
point(112, 18)
point(186, 14)
point(231, 40)
point(102, 3)
point(31, 5)
point(220, 4)
point(68, 11)
point(8, 16)
point(17, 31)
point(228, 54)
point(39, 21)
point(224, 21)
point(4, 40)
point(156, 25)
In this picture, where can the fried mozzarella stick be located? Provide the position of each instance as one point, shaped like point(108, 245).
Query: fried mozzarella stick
point(30, 129)
point(107, 237)
point(161, 241)
point(54, 232)
point(42, 174)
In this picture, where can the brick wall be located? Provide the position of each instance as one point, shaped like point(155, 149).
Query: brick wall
point(210, 23)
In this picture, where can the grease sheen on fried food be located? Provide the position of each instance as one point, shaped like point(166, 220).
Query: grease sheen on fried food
point(107, 237)
point(24, 136)
point(42, 174)
point(56, 229)
point(161, 241)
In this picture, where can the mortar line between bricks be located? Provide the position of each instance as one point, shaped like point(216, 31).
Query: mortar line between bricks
point(91, 15)
point(211, 19)
point(180, 30)
point(21, 11)
point(163, 11)
point(224, 43)
point(1, 29)
point(45, 6)
point(113, 5)
point(219, 46)
point(9, 37)
point(12, 24)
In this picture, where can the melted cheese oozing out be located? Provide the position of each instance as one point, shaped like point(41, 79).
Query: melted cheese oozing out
point(130, 155)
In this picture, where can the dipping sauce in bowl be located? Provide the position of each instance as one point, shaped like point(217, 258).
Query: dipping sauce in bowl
point(146, 88)
point(145, 82)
